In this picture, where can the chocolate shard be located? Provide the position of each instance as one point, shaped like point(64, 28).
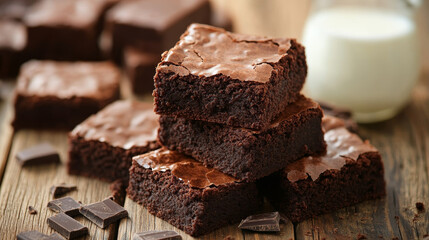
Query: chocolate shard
point(157, 235)
point(67, 226)
point(265, 222)
point(61, 189)
point(40, 154)
point(31, 235)
point(66, 205)
point(104, 213)
point(32, 210)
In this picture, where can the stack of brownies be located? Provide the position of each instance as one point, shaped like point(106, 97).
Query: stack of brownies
point(231, 114)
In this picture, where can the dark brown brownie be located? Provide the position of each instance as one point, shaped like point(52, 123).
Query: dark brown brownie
point(248, 154)
point(66, 29)
point(217, 76)
point(12, 47)
point(103, 145)
point(349, 173)
point(140, 68)
point(63, 94)
point(153, 25)
point(188, 195)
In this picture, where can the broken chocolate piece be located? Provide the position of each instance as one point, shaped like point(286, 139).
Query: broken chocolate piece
point(265, 222)
point(61, 189)
point(104, 213)
point(32, 210)
point(157, 235)
point(40, 154)
point(31, 235)
point(66, 205)
point(67, 226)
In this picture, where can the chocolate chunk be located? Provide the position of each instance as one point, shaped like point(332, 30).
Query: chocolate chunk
point(40, 154)
point(104, 213)
point(32, 210)
point(61, 189)
point(31, 235)
point(265, 222)
point(67, 226)
point(66, 205)
point(157, 235)
point(420, 206)
point(54, 236)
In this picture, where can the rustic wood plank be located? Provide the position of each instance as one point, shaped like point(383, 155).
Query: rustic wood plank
point(6, 131)
point(22, 187)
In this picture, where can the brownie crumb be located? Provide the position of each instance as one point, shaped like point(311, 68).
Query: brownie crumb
point(420, 206)
point(335, 230)
point(308, 233)
point(426, 235)
point(395, 238)
point(361, 236)
point(229, 238)
point(32, 210)
point(117, 188)
point(397, 218)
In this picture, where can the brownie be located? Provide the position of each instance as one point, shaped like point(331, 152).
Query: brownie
point(191, 197)
point(153, 25)
point(12, 47)
point(66, 29)
point(60, 95)
point(217, 76)
point(103, 145)
point(248, 154)
point(15, 9)
point(140, 68)
point(350, 172)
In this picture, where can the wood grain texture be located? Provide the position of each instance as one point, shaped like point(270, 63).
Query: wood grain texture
point(6, 131)
point(29, 186)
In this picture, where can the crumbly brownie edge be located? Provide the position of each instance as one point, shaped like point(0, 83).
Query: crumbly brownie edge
point(51, 112)
point(101, 160)
point(242, 153)
point(356, 182)
point(196, 211)
point(229, 101)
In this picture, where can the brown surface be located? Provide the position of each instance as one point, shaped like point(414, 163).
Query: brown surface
point(402, 141)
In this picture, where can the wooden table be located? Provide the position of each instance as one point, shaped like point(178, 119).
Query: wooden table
point(402, 141)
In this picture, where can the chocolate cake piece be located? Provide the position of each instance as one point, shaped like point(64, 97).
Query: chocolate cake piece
point(217, 76)
point(248, 154)
point(140, 68)
point(350, 172)
point(66, 29)
point(60, 95)
point(12, 47)
point(191, 197)
point(153, 25)
point(103, 145)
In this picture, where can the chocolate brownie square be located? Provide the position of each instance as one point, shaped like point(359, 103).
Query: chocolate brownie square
point(140, 68)
point(153, 25)
point(62, 94)
point(102, 146)
point(248, 154)
point(12, 47)
point(350, 172)
point(66, 29)
point(188, 195)
point(217, 76)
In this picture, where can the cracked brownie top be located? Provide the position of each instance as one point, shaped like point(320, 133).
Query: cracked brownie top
point(207, 51)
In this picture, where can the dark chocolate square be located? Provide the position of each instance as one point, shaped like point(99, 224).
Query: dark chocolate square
point(104, 213)
point(66, 205)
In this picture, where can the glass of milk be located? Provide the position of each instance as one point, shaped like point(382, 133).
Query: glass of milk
point(362, 55)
